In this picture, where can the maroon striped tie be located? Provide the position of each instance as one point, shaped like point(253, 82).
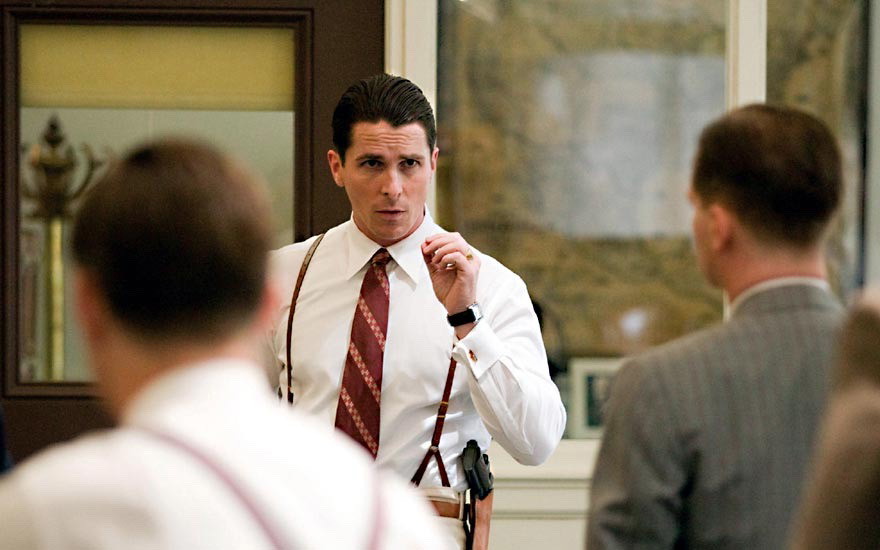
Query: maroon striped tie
point(357, 412)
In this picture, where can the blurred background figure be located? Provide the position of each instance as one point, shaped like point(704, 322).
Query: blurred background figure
point(840, 507)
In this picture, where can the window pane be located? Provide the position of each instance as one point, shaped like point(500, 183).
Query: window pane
point(567, 131)
point(816, 60)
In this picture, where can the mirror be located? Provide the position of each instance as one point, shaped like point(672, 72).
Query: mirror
point(89, 92)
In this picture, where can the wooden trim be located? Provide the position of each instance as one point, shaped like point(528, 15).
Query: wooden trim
point(303, 113)
point(9, 201)
point(746, 52)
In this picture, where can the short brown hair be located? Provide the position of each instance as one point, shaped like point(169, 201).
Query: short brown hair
point(393, 99)
point(177, 236)
point(777, 168)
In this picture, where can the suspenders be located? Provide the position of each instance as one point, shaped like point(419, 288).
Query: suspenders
point(293, 298)
point(434, 449)
point(274, 537)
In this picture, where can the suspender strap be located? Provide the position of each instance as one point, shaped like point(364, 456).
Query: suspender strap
point(375, 540)
point(293, 298)
point(248, 503)
point(434, 449)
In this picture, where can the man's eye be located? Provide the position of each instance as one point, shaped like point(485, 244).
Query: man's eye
point(371, 163)
point(410, 163)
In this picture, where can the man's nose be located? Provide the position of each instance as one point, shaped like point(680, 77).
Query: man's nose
point(391, 184)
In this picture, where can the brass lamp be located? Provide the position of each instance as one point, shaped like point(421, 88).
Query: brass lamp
point(53, 190)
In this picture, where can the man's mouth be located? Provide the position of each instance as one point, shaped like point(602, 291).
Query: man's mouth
point(390, 212)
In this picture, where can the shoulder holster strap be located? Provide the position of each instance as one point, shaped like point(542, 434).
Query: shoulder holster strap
point(293, 298)
point(434, 449)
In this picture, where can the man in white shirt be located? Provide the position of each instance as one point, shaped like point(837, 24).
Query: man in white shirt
point(171, 250)
point(708, 437)
point(445, 300)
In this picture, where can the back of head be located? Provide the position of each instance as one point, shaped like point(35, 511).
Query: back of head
point(393, 99)
point(777, 168)
point(176, 235)
point(860, 343)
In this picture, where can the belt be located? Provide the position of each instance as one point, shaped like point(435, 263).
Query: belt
point(446, 509)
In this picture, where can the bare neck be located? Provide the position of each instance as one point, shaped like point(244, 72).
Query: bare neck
point(125, 367)
point(756, 266)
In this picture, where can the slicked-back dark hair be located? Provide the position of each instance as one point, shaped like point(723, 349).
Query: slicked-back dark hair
point(177, 236)
point(393, 99)
point(777, 168)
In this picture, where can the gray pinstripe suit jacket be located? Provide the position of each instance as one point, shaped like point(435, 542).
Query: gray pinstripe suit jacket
point(708, 437)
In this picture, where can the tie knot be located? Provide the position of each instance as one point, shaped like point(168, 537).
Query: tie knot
point(380, 258)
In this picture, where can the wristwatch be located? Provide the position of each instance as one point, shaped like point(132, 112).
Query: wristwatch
point(471, 315)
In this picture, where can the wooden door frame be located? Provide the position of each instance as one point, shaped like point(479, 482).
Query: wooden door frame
point(336, 42)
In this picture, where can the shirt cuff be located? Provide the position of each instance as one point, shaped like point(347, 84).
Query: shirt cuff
point(479, 350)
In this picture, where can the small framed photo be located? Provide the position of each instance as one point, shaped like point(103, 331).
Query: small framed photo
point(590, 382)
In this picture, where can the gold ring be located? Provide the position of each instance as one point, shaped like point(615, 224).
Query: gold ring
point(469, 256)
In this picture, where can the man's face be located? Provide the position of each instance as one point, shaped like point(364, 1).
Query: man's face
point(702, 240)
point(386, 175)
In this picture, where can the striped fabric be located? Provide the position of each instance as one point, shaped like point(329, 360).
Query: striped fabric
point(357, 413)
point(708, 437)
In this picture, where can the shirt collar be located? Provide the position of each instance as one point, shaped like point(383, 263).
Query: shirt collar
point(406, 253)
point(776, 283)
point(183, 384)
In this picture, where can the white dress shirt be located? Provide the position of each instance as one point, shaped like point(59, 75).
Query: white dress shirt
point(123, 489)
point(502, 388)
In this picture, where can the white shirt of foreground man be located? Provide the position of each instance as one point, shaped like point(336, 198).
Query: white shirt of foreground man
point(125, 489)
point(172, 326)
point(504, 392)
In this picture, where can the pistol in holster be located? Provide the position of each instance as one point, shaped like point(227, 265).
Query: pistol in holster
point(475, 465)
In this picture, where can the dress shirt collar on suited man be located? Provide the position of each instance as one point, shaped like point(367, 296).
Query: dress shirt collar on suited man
point(776, 283)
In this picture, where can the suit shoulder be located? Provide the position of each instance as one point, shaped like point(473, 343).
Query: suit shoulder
point(683, 349)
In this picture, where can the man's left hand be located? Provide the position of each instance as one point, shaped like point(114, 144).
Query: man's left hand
point(454, 269)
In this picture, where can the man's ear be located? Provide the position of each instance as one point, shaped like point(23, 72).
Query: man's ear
point(335, 162)
point(722, 225)
point(269, 304)
point(434, 158)
point(91, 307)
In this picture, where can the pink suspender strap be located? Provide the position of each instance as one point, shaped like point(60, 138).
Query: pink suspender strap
point(275, 539)
point(299, 280)
point(375, 540)
point(434, 449)
point(247, 502)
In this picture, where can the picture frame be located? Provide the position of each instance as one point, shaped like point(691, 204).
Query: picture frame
point(590, 382)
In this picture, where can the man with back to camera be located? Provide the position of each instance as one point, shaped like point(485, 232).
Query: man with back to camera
point(171, 250)
point(708, 437)
point(389, 297)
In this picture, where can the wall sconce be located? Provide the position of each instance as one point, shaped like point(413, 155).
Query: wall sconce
point(52, 191)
